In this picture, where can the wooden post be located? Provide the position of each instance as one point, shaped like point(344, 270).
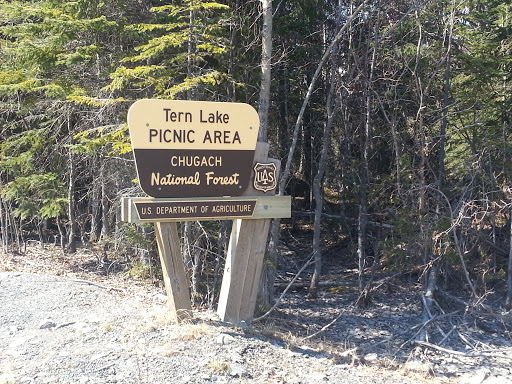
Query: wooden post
point(173, 269)
point(242, 273)
point(246, 253)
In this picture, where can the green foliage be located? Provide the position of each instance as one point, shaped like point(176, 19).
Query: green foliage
point(43, 41)
point(134, 235)
point(183, 46)
point(18, 152)
point(484, 39)
point(38, 195)
point(52, 61)
point(114, 140)
point(141, 271)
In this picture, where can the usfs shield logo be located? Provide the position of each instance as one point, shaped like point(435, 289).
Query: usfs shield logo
point(265, 176)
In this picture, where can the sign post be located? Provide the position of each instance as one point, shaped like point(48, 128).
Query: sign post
point(200, 161)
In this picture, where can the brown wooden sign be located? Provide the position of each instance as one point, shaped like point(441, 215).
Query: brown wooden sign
point(145, 209)
point(192, 148)
point(196, 161)
point(197, 210)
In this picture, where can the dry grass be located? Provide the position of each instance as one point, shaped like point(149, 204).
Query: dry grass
point(188, 332)
point(168, 349)
point(218, 366)
point(416, 368)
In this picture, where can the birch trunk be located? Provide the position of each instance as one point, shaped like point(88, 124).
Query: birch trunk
point(265, 291)
point(3, 229)
point(95, 204)
point(266, 69)
point(105, 220)
point(191, 49)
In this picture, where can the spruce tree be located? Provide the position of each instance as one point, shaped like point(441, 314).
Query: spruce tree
point(185, 48)
point(52, 57)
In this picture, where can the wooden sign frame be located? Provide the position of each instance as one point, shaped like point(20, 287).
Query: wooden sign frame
point(246, 251)
point(219, 141)
point(244, 260)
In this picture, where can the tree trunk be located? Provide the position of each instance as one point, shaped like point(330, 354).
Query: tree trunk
point(195, 269)
point(191, 49)
point(282, 100)
point(233, 40)
point(62, 235)
point(71, 246)
point(508, 302)
point(186, 245)
point(266, 69)
point(105, 206)
point(222, 249)
point(317, 189)
point(446, 102)
point(265, 292)
point(428, 302)
point(362, 223)
point(95, 203)
point(3, 229)
point(12, 229)
point(40, 232)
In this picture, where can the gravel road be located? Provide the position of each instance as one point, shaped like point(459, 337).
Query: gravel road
point(61, 330)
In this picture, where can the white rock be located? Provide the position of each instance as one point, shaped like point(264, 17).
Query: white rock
point(224, 339)
point(371, 357)
point(237, 370)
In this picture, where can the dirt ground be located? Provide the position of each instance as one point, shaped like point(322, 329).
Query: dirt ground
point(79, 319)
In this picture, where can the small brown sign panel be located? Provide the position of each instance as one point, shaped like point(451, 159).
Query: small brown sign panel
point(193, 148)
point(265, 176)
point(200, 210)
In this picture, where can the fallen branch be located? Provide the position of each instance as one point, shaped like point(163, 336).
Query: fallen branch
point(488, 310)
point(491, 312)
point(323, 328)
point(307, 264)
point(422, 326)
point(379, 284)
point(427, 300)
point(323, 284)
point(88, 282)
point(464, 354)
point(65, 324)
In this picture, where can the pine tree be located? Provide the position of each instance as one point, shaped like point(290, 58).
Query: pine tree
point(185, 49)
point(52, 57)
